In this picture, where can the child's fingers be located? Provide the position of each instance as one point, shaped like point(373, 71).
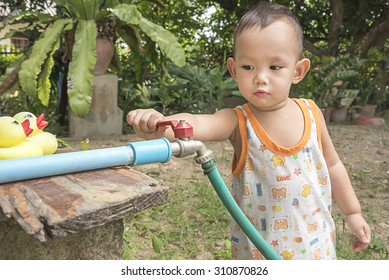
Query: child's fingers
point(130, 116)
point(161, 129)
point(359, 246)
point(144, 120)
point(363, 235)
point(153, 121)
point(361, 230)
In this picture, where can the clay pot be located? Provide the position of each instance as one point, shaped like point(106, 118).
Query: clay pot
point(105, 49)
point(368, 121)
point(339, 115)
point(366, 111)
point(327, 112)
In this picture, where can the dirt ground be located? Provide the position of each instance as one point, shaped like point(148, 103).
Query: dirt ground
point(364, 151)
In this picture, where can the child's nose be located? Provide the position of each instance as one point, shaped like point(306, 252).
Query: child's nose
point(261, 78)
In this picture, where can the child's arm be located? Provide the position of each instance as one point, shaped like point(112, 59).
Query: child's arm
point(343, 192)
point(206, 127)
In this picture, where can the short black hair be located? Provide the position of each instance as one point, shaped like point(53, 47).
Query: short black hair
point(263, 14)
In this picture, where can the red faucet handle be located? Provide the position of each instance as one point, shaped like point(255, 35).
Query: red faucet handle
point(181, 129)
point(172, 123)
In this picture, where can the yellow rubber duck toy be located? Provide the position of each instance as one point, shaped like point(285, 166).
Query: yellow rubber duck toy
point(13, 142)
point(46, 140)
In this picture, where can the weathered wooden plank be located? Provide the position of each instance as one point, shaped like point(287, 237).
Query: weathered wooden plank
point(55, 206)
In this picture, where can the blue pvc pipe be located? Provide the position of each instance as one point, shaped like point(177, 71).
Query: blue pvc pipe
point(151, 151)
point(229, 202)
point(137, 153)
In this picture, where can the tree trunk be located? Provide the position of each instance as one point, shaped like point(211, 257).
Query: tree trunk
point(337, 10)
point(377, 35)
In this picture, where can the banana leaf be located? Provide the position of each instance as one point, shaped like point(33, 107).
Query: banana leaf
point(29, 27)
point(10, 77)
point(110, 3)
point(166, 41)
point(83, 9)
point(127, 13)
point(28, 18)
point(81, 67)
point(42, 48)
point(131, 37)
point(43, 82)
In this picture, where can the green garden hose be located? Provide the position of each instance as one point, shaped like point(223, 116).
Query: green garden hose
point(229, 202)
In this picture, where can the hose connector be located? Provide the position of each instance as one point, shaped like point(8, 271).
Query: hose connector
point(203, 154)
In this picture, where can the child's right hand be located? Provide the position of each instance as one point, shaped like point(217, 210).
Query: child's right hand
point(144, 122)
point(360, 229)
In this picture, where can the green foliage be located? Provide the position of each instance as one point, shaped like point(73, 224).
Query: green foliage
point(131, 94)
point(85, 144)
point(373, 80)
point(166, 41)
point(194, 220)
point(375, 251)
point(23, 5)
point(9, 67)
point(201, 90)
point(13, 102)
point(203, 28)
point(320, 80)
point(76, 26)
point(83, 10)
point(157, 244)
point(188, 89)
point(41, 55)
point(80, 76)
point(7, 60)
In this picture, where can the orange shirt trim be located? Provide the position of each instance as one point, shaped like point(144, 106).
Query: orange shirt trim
point(237, 165)
point(316, 115)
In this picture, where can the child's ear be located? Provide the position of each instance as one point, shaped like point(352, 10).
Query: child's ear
point(302, 68)
point(231, 67)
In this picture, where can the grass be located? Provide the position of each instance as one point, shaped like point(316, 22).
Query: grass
point(375, 251)
point(195, 225)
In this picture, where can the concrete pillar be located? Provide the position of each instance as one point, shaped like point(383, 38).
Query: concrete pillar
point(105, 118)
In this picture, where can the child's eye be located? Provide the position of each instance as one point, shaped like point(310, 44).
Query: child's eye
point(275, 67)
point(248, 67)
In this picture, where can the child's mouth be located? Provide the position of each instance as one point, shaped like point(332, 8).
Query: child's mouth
point(260, 93)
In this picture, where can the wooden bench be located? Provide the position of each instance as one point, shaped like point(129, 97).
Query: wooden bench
point(73, 216)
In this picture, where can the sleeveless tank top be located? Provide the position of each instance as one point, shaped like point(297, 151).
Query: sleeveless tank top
point(284, 191)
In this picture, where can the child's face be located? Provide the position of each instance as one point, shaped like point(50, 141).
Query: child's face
point(266, 64)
